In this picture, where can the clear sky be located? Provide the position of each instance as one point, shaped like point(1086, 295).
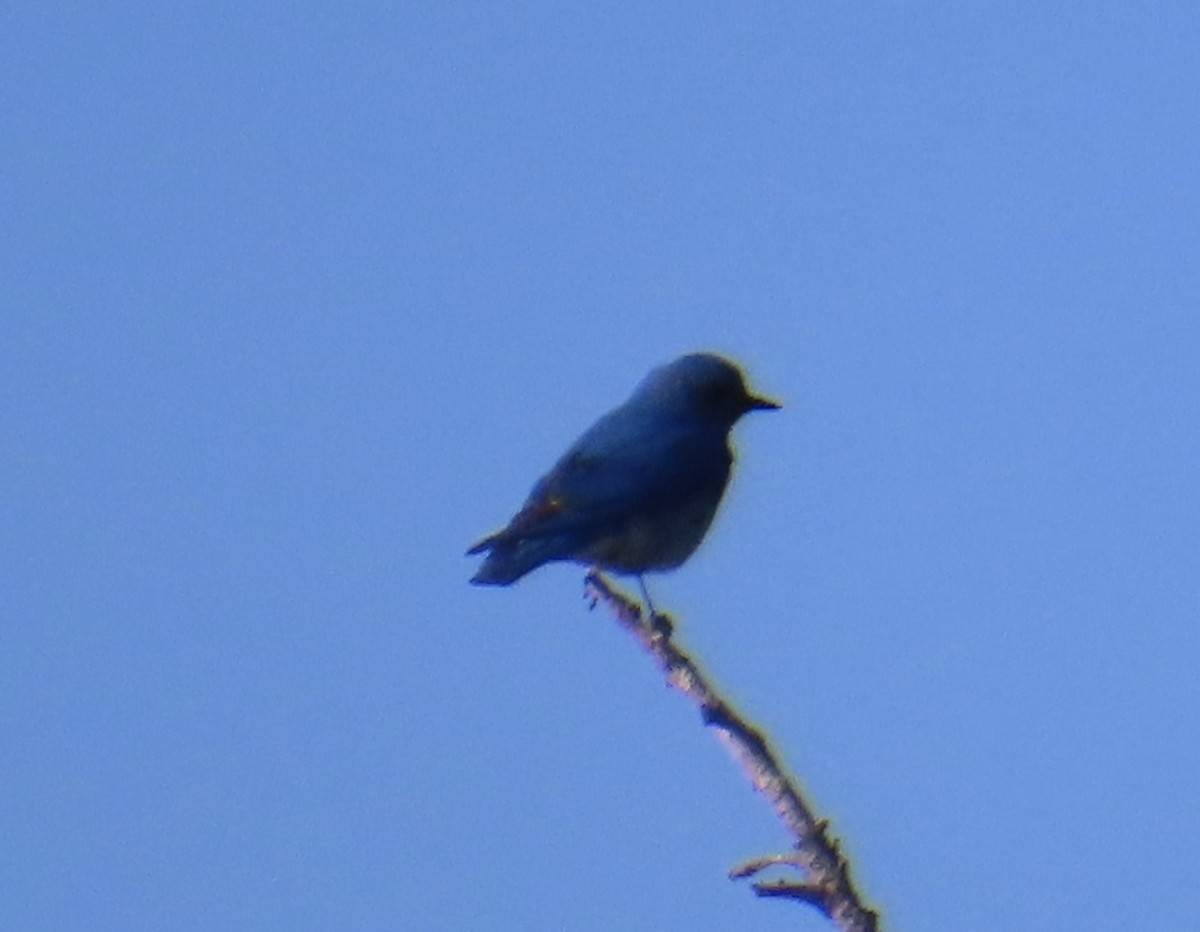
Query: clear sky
point(297, 300)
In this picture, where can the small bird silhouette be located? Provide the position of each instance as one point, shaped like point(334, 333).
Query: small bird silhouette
point(638, 491)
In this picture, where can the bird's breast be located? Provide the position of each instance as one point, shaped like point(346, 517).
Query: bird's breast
point(653, 542)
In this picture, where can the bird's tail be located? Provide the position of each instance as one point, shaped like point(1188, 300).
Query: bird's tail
point(510, 558)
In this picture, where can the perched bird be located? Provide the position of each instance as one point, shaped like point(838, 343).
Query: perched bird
point(639, 489)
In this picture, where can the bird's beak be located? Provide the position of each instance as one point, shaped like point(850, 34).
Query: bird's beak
point(761, 404)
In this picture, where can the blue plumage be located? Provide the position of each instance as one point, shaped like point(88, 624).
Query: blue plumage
point(639, 489)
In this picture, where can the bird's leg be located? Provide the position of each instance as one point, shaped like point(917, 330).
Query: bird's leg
point(646, 596)
point(661, 624)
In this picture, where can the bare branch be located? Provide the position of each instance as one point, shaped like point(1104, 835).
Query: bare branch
point(827, 884)
point(813, 894)
point(752, 866)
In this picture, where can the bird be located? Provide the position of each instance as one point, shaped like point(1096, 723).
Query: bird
point(637, 492)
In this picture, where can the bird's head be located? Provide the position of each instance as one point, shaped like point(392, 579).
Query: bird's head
point(706, 385)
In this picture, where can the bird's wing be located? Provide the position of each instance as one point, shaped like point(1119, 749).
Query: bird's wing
point(616, 471)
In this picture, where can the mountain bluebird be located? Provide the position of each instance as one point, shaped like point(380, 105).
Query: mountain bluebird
point(639, 489)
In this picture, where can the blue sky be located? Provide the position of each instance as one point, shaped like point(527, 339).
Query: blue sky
point(299, 300)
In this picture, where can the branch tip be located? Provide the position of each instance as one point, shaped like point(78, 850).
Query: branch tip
point(818, 857)
point(752, 866)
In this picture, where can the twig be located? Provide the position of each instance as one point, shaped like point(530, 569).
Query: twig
point(826, 884)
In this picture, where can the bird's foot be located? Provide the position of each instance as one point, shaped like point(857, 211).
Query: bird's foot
point(662, 625)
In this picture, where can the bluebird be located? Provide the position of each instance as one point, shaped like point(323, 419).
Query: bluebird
point(638, 490)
